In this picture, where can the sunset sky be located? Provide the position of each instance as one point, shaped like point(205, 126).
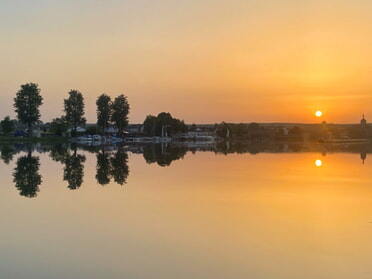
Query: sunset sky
point(204, 61)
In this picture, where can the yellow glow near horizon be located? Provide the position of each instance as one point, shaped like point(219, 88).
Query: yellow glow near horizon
point(318, 113)
point(280, 61)
point(318, 163)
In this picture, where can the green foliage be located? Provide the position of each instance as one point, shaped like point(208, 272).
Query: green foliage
point(115, 166)
point(104, 168)
point(93, 130)
point(73, 171)
point(74, 109)
point(104, 110)
point(120, 169)
point(163, 124)
point(120, 111)
point(7, 153)
point(59, 152)
point(163, 155)
point(26, 176)
point(222, 130)
point(149, 125)
point(27, 103)
point(59, 126)
point(7, 125)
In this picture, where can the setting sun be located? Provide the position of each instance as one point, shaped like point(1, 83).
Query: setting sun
point(318, 113)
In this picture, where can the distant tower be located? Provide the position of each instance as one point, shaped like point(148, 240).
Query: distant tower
point(363, 122)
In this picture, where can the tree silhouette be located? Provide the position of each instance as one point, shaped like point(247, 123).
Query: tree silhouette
point(119, 164)
point(73, 172)
point(103, 174)
point(7, 125)
point(26, 103)
point(59, 153)
point(7, 154)
point(162, 125)
point(74, 109)
point(104, 111)
point(120, 110)
point(163, 154)
point(26, 176)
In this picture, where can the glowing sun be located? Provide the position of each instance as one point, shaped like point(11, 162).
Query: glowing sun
point(318, 113)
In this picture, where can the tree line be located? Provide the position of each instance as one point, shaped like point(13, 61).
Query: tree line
point(27, 178)
point(27, 107)
point(109, 112)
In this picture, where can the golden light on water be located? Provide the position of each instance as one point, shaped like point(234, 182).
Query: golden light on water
point(318, 163)
point(318, 113)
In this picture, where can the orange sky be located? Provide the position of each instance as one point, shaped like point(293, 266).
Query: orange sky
point(203, 61)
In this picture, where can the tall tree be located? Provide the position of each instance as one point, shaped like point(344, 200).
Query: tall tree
point(149, 125)
point(27, 103)
point(103, 110)
point(74, 109)
point(120, 110)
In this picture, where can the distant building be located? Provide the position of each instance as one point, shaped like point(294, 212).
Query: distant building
point(363, 122)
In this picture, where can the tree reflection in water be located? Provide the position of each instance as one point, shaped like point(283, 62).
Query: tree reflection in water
point(120, 169)
point(59, 152)
point(26, 176)
point(103, 168)
point(112, 165)
point(7, 154)
point(73, 171)
point(163, 154)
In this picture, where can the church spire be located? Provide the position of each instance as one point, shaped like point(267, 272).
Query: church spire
point(363, 121)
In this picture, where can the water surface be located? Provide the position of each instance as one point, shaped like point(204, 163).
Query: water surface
point(132, 214)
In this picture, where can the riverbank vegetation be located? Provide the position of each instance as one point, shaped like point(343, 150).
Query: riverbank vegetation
point(112, 119)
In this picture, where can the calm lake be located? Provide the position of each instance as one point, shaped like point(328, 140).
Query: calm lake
point(185, 212)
